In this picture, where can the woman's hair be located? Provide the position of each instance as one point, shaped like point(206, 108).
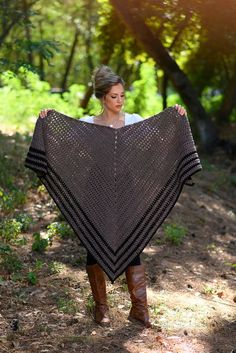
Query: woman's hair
point(103, 79)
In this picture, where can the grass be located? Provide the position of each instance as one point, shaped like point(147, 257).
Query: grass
point(176, 312)
point(208, 290)
point(32, 278)
point(157, 309)
point(207, 166)
point(90, 304)
point(10, 230)
point(61, 229)
point(222, 179)
point(211, 247)
point(40, 244)
point(15, 180)
point(11, 262)
point(174, 233)
point(66, 305)
point(230, 264)
point(56, 267)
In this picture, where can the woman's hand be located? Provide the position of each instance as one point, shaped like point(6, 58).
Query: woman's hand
point(180, 109)
point(44, 112)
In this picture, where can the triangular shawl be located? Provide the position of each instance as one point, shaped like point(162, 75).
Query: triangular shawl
point(115, 187)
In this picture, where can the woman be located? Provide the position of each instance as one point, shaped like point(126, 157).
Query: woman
point(109, 89)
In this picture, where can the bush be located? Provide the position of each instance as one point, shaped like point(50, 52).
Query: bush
point(39, 243)
point(13, 192)
point(174, 233)
point(11, 199)
point(66, 305)
point(10, 262)
point(10, 229)
point(4, 249)
point(25, 221)
point(32, 277)
point(56, 267)
point(61, 229)
point(143, 98)
point(33, 94)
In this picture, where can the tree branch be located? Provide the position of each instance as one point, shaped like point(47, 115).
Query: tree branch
point(153, 46)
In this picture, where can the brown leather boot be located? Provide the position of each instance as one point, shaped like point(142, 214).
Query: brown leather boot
point(135, 277)
point(98, 287)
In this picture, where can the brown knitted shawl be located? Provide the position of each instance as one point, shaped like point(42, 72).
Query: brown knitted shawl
point(115, 187)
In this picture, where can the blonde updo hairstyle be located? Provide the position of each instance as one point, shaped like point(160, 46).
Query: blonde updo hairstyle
point(103, 79)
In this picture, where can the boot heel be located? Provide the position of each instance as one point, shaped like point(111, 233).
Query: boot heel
point(136, 282)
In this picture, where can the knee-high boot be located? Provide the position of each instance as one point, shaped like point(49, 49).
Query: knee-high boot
point(98, 287)
point(136, 281)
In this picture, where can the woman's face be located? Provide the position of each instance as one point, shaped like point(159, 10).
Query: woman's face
point(114, 99)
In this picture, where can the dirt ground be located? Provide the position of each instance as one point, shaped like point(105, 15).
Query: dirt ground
point(191, 286)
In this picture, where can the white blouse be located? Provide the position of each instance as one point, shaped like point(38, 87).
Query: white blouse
point(129, 118)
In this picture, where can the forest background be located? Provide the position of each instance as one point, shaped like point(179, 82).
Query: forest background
point(171, 51)
point(167, 51)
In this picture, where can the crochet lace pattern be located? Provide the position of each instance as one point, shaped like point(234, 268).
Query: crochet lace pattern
point(115, 187)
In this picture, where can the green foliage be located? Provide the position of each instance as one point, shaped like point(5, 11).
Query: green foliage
point(77, 262)
point(38, 265)
point(41, 189)
point(174, 233)
point(210, 100)
point(32, 277)
point(10, 262)
point(90, 304)
point(11, 199)
point(21, 241)
point(232, 179)
point(17, 277)
point(67, 305)
point(143, 97)
point(157, 309)
point(230, 264)
point(208, 290)
point(13, 191)
point(17, 47)
point(39, 244)
point(94, 106)
point(4, 249)
point(10, 229)
point(56, 267)
point(206, 165)
point(29, 44)
point(61, 229)
point(212, 247)
point(25, 220)
point(221, 181)
point(33, 95)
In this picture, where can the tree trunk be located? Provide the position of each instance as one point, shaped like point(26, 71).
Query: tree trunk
point(153, 46)
point(229, 101)
point(41, 61)
point(88, 37)
point(88, 94)
point(164, 86)
point(27, 30)
point(14, 19)
point(70, 60)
